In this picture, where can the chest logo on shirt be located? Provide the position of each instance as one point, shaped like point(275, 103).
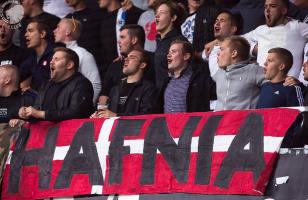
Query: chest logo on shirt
point(3, 112)
point(277, 92)
point(45, 63)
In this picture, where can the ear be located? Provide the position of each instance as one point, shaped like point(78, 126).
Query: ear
point(70, 65)
point(7, 81)
point(173, 18)
point(234, 54)
point(233, 29)
point(43, 34)
point(143, 65)
point(284, 11)
point(134, 40)
point(187, 56)
point(282, 66)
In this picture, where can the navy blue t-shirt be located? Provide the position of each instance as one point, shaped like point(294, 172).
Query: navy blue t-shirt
point(277, 95)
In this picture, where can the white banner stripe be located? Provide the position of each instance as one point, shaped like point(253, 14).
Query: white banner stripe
point(128, 197)
point(221, 144)
point(60, 152)
point(102, 145)
point(8, 161)
point(97, 189)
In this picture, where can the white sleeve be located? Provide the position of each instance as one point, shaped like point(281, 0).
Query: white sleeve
point(303, 28)
point(89, 69)
point(252, 38)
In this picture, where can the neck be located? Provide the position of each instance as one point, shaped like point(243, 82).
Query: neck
point(278, 78)
point(163, 33)
point(80, 6)
point(135, 77)
point(192, 9)
point(36, 11)
point(127, 5)
point(40, 49)
point(7, 91)
point(66, 76)
point(177, 73)
point(5, 47)
point(114, 5)
point(68, 40)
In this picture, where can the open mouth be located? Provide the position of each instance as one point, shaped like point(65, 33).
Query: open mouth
point(27, 41)
point(216, 29)
point(2, 36)
point(169, 61)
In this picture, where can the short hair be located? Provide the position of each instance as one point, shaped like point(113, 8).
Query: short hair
point(13, 73)
point(70, 55)
point(40, 3)
point(241, 45)
point(176, 9)
point(236, 20)
point(144, 56)
point(135, 30)
point(285, 56)
point(42, 26)
point(285, 3)
point(75, 26)
point(186, 46)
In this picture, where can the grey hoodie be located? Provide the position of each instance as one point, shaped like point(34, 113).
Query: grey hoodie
point(238, 87)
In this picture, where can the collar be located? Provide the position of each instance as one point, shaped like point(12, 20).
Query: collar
point(170, 34)
point(185, 71)
point(71, 44)
point(237, 65)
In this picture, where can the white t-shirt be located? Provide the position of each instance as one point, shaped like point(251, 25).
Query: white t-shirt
point(188, 27)
point(147, 21)
point(292, 36)
point(57, 7)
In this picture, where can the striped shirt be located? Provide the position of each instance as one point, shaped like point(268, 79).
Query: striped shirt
point(176, 92)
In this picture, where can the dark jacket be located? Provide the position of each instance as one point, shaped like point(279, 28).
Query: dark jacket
point(204, 23)
point(72, 101)
point(9, 106)
point(89, 39)
point(115, 74)
point(160, 55)
point(140, 99)
point(200, 91)
point(108, 36)
point(38, 70)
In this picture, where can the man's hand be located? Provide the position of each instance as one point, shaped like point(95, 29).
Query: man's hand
point(209, 47)
point(290, 81)
point(104, 113)
point(27, 112)
point(32, 112)
point(22, 113)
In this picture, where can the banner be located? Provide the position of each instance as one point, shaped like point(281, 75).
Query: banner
point(229, 152)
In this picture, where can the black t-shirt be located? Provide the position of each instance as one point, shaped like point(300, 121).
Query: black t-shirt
point(124, 92)
point(13, 56)
point(9, 106)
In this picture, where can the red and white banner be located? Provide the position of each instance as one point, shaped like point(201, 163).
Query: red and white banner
point(230, 152)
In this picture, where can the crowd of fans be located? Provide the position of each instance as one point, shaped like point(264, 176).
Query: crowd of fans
point(110, 58)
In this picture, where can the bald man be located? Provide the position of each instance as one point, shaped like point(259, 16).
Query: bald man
point(11, 98)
